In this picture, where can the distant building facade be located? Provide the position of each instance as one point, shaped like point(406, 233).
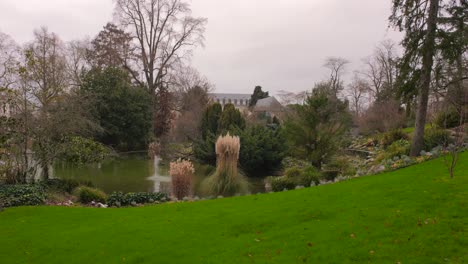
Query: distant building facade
point(240, 101)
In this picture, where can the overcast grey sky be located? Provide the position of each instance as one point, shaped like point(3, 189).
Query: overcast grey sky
point(278, 44)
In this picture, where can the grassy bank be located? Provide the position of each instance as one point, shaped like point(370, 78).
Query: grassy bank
point(413, 215)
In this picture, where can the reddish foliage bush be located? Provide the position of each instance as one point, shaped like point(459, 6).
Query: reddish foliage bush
point(182, 174)
point(382, 117)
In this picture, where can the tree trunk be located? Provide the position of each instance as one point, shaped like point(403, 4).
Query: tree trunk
point(417, 143)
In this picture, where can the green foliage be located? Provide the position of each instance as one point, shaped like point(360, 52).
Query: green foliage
point(396, 149)
point(257, 95)
point(230, 120)
point(434, 137)
point(330, 175)
point(123, 110)
point(392, 136)
point(343, 165)
point(262, 150)
point(448, 119)
point(120, 199)
point(63, 185)
point(210, 120)
point(295, 176)
point(80, 150)
point(293, 173)
point(315, 131)
point(86, 195)
point(204, 150)
point(280, 183)
point(20, 195)
point(310, 175)
point(215, 122)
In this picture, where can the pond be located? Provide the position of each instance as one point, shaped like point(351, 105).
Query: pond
point(134, 173)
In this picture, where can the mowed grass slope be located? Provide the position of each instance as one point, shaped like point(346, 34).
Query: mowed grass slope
point(413, 215)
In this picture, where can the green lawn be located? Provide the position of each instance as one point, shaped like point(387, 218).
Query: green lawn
point(414, 215)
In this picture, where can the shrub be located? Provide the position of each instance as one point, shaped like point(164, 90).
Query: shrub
point(121, 199)
point(343, 165)
point(64, 185)
point(293, 173)
point(397, 148)
point(392, 136)
point(280, 183)
point(434, 137)
point(310, 174)
point(302, 177)
point(262, 150)
point(330, 175)
point(447, 119)
point(86, 195)
point(226, 180)
point(181, 172)
point(19, 195)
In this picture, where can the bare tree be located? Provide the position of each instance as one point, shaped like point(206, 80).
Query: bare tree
point(288, 98)
point(357, 92)
point(9, 56)
point(77, 62)
point(165, 33)
point(337, 67)
point(381, 70)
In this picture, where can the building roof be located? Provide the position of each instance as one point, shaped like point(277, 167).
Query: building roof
point(267, 102)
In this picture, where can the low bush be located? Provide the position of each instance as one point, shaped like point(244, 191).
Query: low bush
point(120, 199)
point(293, 173)
point(296, 177)
point(310, 175)
point(343, 165)
point(86, 195)
point(19, 195)
point(281, 183)
point(434, 137)
point(396, 149)
point(64, 185)
point(330, 175)
point(392, 136)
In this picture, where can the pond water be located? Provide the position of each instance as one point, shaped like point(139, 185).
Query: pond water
point(133, 173)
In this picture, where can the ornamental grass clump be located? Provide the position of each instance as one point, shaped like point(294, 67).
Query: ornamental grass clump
point(226, 180)
point(181, 172)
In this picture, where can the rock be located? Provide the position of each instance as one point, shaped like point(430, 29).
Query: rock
point(196, 198)
point(185, 199)
point(220, 197)
point(423, 152)
point(299, 187)
point(428, 154)
point(285, 190)
point(133, 203)
point(101, 205)
point(151, 200)
point(312, 184)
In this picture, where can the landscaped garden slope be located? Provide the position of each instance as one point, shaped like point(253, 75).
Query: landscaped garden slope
point(413, 215)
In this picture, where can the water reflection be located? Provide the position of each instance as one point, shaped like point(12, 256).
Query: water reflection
point(133, 173)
